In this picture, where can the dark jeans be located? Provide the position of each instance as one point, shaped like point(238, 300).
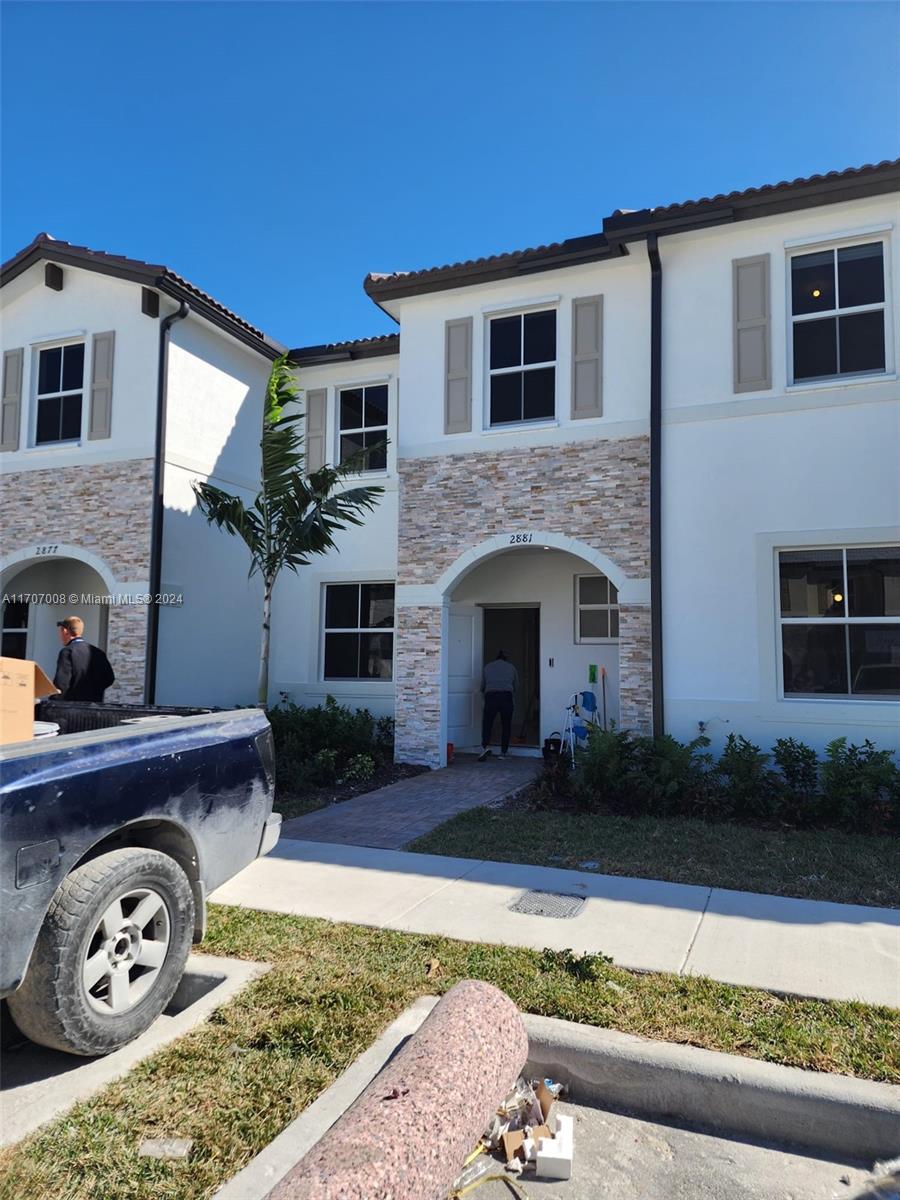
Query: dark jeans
point(494, 703)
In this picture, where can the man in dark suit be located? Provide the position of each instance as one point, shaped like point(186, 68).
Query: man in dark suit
point(82, 670)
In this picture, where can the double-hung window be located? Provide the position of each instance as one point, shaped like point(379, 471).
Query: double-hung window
point(838, 311)
point(522, 367)
point(60, 389)
point(840, 622)
point(596, 609)
point(359, 631)
point(363, 421)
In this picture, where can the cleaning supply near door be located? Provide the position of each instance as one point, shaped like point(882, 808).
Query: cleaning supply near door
point(592, 672)
point(552, 746)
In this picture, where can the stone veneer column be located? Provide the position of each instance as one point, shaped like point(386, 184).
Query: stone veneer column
point(126, 648)
point(417, 684)
point(635, 669)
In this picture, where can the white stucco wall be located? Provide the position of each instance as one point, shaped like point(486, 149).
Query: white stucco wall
point(744, 474)
point(546, 578)
point(209, 646)
point(624, 285)
point(364, 554)
point(34, 316)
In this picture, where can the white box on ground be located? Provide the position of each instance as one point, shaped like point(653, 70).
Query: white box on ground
point(554, 1155)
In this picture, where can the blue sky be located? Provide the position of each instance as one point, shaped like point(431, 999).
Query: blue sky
point(273, 153)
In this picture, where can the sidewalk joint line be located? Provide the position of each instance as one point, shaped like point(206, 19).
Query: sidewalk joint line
point(687, 953)
point(436, 892)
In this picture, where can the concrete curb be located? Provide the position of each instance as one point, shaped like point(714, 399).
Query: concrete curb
point(830, 1115)
point(833, 1115)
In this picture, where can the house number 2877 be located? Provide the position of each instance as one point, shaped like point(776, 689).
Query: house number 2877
point(519, 539)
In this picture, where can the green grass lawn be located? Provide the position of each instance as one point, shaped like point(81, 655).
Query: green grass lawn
point(235, 1082)
point(817, 865)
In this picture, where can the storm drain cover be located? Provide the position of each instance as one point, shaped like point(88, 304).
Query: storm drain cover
point(548, 904)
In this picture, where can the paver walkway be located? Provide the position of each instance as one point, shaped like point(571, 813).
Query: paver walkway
point(391, 816)
point(806, 947)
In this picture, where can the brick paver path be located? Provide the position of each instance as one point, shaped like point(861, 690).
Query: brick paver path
point(391, 816)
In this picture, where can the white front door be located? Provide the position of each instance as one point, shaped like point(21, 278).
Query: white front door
point(464, 666)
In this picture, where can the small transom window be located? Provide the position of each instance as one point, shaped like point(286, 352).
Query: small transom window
point(60, 389)
point(596, 609)
point(359, 631)
point(523, 367)
point(840, 621)
point(838, 311)
point(363, 422)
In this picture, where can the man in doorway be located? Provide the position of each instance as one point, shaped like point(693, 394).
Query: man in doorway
point(499, 681)
point(82, 670)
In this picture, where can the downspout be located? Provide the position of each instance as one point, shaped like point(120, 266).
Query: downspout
point(156, 529)
point(656, 637)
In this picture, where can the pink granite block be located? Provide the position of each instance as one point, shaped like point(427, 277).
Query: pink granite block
point(406, 1136)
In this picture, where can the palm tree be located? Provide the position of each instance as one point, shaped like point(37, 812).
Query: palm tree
point(294, 515)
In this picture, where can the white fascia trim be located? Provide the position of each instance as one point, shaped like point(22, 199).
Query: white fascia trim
point(522, 304)
point(841, 235)
point(546, 433)
point(418, 595)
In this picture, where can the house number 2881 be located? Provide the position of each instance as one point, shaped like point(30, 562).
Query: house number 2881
point(519, 539)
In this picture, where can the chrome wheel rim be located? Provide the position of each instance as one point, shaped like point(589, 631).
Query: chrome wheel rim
point(126, 951)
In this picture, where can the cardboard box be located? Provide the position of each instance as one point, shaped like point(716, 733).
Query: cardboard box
point(21, 683)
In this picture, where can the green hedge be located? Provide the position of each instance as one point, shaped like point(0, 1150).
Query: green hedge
point(856, 788)
point(317, 747)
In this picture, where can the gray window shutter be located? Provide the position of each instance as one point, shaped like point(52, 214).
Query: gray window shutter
point(752, 324)
point(587, 355)
point(458, 376)
point(11, 408)
point(102, 353)
point(315, 430)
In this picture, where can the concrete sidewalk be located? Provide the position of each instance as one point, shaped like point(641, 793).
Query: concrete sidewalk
point(805, 947)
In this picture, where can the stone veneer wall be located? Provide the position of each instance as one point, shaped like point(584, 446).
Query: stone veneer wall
point(106, 509)
point(597, 491)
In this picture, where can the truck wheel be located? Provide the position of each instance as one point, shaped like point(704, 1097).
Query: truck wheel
point(109, 955)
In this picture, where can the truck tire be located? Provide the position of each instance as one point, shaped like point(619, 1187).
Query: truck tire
point(109, 955)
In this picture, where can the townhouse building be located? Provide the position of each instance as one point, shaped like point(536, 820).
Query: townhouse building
point(659, 462)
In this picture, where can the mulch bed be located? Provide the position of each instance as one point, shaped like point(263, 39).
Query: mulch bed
point(295, 804)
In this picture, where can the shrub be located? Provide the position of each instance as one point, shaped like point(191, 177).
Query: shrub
point(315, 746)
point(359, 769)
point(668, 776)
point(747, 787)
point(799, 782)
point(603, 768)
point(860, 787)
point(554, 786)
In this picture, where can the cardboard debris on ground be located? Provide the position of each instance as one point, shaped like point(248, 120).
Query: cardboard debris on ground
point(525, 1136)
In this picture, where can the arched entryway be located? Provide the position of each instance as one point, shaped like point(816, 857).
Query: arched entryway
point(561, 604)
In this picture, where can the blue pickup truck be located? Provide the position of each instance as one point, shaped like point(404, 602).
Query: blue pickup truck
point(113, 833)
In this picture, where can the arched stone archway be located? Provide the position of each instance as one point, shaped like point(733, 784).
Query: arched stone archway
point(45, 582)
point(425, 632)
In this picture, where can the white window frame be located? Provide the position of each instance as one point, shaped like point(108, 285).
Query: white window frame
point(361, 385)
point(835, 243)
point(579, 608)
point(37, 350)
point(845, 622)
point(547, 304)
point(326, 629)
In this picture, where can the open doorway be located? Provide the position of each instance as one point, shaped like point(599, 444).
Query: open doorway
point(516, 631)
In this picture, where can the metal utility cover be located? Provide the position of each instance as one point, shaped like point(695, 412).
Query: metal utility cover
point(548, 904)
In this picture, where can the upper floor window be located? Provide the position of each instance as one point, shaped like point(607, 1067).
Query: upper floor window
point(359, 631)
point(523, 367)
point(60, 389)
point(363, 422)
point(840, 621)
point(596, 609)
point(838, 311)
